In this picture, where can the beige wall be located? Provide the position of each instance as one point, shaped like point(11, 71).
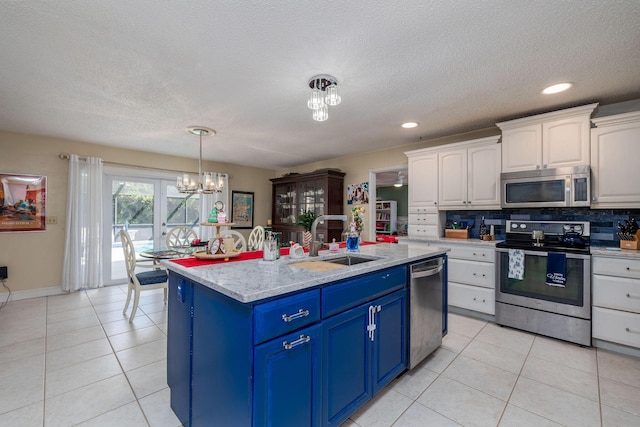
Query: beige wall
point(35, 258)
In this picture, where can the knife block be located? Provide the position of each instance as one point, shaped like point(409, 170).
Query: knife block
point(631, 244)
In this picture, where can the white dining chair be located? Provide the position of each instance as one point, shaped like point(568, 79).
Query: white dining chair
point(256, 239)
point(155, 278)
point(240, 244)
point(181, 235)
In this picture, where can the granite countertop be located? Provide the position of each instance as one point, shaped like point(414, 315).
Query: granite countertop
point(615, 252)
point(254, 280)
point(445, 240)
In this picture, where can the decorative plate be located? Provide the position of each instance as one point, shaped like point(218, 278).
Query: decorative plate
point(219, 205)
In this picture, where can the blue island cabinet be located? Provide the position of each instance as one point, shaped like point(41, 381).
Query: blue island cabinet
point(306, 359)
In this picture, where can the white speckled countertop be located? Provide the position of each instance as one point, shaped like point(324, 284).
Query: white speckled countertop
point(254, 280)
point(615, 252)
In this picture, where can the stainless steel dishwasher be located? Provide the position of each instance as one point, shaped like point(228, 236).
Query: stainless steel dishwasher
point(425, 309)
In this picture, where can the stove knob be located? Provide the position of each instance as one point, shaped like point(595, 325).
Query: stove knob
point(514, 225)
point(523, 226)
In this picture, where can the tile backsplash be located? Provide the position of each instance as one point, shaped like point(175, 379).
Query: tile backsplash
point(603, 221)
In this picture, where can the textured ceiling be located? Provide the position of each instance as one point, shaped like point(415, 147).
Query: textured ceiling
point(136, 73)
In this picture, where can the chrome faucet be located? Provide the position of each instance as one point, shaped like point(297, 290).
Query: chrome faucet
point(313, 251)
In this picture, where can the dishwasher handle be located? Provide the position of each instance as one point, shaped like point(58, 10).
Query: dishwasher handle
point(418, 270)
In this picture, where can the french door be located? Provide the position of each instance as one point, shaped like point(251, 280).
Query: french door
point(147, 208)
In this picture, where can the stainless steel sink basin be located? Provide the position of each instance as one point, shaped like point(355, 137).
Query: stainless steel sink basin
point(349, 260)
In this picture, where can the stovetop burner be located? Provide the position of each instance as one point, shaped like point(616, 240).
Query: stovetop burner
point(519, 236)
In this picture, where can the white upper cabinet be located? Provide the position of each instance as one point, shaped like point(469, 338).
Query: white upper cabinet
point(615, 153)
point(423, 179)
point(469, 175)
point(551, 140)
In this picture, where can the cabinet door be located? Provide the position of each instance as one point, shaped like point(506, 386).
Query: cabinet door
point(284, 204)
point(452, 176)
point(179, 336)
point(522, 148)
point(614, 166)
point(565, 142)
point(287, 380)
point(346, 382)
point(423, 180)
point(389, 356)
point(483, 176)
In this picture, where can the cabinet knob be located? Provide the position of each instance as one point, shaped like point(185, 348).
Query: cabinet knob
point(464, 202)
point(435, 203)
point(537, 167)
point(544, 166)
point(468, 202)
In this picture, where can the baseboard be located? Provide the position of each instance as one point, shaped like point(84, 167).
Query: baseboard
point(32, 293)
point(617, 348)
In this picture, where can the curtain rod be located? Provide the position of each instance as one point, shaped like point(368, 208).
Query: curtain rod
point(66, 157)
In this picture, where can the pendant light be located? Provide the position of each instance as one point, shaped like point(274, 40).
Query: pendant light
point(204, 183)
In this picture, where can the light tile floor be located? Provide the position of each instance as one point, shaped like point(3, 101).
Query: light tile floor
point(76, 360)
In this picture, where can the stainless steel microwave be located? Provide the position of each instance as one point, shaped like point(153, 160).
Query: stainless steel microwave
point(547, 188)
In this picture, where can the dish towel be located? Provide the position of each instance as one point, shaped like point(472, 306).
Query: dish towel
point(516, 264)
point(556, 269)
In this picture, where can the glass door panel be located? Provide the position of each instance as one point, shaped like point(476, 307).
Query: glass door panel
point(285, 203)
point(131, 208)
point(178, 209)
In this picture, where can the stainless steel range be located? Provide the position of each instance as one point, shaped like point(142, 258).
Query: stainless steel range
point(544, 279)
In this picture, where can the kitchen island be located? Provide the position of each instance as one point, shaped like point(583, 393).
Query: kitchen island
point(274, 343)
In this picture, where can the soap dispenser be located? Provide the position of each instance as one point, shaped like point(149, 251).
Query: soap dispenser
point(353, 239)
point(334, 246)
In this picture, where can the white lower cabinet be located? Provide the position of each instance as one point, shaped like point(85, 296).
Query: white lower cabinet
point(472, 297)
point(616, 300)
point(472, 272)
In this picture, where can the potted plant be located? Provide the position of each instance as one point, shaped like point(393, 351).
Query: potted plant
point(306, 219)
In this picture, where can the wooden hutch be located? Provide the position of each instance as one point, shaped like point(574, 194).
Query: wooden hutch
point(321, 191)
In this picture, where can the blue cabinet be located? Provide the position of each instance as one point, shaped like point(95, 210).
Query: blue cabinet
point(179, 336)
point(363, 350)
point(305, 359)
point(287, 380)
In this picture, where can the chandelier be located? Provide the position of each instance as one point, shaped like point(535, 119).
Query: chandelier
point(204, 183)
point(323, 93)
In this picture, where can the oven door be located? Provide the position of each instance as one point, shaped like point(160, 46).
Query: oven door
point(572, 300)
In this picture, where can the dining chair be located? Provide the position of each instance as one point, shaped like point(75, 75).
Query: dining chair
point(156, 278)
point(181, 235)
point(240, 244)
point(256, 239)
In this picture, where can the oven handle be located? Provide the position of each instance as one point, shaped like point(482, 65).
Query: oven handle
point(544, 254)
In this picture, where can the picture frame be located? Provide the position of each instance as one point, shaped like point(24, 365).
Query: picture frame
point(23, 200)
point(242, 209)
point(358, 194)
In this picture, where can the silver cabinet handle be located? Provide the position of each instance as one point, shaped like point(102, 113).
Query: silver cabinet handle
point(633, 331)
point(299, 314)
point(476, 299)
point(633, 296)
point(302, 340)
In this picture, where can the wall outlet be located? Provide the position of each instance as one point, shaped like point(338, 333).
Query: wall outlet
point(52, 220)
point(4, 273)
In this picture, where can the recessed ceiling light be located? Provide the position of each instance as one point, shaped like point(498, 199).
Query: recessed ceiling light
point(560, 87)
point(409, 125)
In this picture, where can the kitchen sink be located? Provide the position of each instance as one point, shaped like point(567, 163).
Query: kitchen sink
point(349, 260)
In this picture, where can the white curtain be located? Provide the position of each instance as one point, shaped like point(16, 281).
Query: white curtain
point(206, 204)
point(83, 233)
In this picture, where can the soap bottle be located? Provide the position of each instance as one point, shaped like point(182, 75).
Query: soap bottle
point(483, 229)
point(353, 239)
point(334, 246)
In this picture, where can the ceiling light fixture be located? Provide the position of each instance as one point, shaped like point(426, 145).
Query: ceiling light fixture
point(324, 92)
point(409, 125)
point(399, 181)
point(560, 87)
point(204, 183)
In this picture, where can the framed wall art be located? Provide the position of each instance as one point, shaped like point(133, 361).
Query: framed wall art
point(22, 202)
point(358, 194)
point(242, 209)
